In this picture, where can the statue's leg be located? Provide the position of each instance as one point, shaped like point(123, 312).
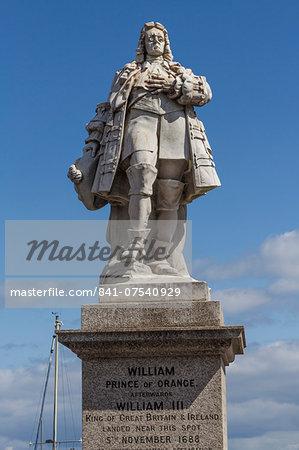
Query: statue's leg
point(169, 192)
point(140, 148)
point(141, 175)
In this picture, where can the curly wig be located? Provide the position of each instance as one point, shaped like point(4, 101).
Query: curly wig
point(140, 52)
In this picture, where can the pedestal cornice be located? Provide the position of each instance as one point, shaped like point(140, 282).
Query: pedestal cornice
point(221, 340)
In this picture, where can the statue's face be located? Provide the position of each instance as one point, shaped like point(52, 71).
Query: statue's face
point(154, 42)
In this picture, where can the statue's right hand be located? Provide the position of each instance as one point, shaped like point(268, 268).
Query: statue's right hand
point(91, 148)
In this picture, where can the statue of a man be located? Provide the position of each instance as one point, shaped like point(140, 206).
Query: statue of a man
point(147, 154)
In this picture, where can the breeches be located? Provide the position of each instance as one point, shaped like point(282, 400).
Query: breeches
point(155, 152)
point(164, 135)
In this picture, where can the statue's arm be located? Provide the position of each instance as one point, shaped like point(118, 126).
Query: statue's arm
point(190, 89)
point(195, 91)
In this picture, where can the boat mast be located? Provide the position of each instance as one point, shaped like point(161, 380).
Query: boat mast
point(44, 395)
point(58, 324)
point(54, 442)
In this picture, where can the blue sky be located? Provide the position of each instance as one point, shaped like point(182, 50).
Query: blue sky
point(58, 60)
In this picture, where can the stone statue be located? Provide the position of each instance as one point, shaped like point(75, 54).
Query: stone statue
point(148, 156)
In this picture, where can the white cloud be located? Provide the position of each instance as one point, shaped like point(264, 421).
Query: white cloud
point(237, 300)
point(278, 257)
point(263, 397)
point(285, 286)
point(281, 255)
point(277, 263)
point(257, 416)
point(243, 266)
point(275, 440)
point(269, 372)
point(20, 390)
point(14, 444)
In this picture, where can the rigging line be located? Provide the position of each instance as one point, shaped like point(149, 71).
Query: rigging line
point(38, 408)
point(69, 394)
point(45, 390)
point(62, 364)
point(75, 426)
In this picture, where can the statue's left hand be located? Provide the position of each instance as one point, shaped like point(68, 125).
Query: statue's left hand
point(187, 84)
point(74, 174)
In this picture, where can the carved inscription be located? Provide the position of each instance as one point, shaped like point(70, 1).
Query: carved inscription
point(154, 407)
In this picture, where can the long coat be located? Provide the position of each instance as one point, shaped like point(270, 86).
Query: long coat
point(110, 184)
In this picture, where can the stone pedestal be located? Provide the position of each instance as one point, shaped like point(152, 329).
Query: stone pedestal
point(153, 374)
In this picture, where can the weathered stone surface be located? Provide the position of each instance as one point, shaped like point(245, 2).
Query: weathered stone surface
point(127, 406)
point(155, 290)
point(151, 315)
point(223, 341)
point(154, 377)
